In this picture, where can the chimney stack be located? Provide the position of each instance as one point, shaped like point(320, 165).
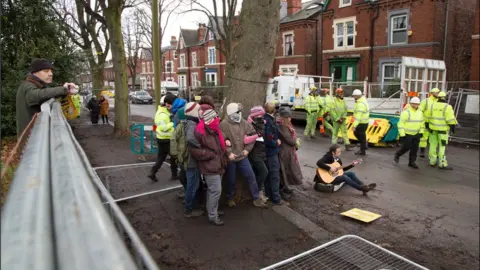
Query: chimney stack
point(173, 41)
point(202, 29)
point(293, 6)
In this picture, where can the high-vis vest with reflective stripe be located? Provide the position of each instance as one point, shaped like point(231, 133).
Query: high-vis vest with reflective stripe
point(361, 112)
point(442, 116)
point(163, 123)
point(325, 104)
point(339, 108)
point(312, 104)
point(426, 107)
point(411, 122)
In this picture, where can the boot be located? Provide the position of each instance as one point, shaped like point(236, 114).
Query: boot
point(396, 158)
point(446, 168)
point(217, 222)
point(365, 189)
point(349, 147)
point(259, 203)
point(193, 213)
point(422, 152)
point(413, 165)
point(231, 203)
point(360, 153)
point(372, 186)
point(153, 177)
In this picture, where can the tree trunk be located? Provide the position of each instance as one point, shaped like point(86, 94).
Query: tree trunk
point(156, 52)
point(254, 52)
point(97, 79)
point(114, 24)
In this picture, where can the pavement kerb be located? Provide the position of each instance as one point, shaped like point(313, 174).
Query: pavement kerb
point(316, 233)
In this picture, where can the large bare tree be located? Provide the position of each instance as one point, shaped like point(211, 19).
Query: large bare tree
point(133, 35)
point(111, 17)
point(88, 34)
point(256, 35)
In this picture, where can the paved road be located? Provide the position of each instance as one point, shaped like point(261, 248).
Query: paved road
point(144, 110)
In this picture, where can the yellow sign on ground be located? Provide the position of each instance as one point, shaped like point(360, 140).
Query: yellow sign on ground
point(362, 215)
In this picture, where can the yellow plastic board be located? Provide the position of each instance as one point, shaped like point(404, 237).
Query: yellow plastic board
point(362, 215)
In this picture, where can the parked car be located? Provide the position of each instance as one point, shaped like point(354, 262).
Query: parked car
point(141, 97)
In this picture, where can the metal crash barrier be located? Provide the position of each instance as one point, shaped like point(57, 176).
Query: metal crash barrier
point(54, 217)
point(347, 252)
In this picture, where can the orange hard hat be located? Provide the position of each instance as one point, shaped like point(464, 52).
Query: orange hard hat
point(339, 91)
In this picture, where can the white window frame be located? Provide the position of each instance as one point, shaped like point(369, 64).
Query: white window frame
point(194, 59)
point(396, 66)
point(211, 35)
point(214, 55)
point(391, 30)
point(345, 35)
point(195, 79)
point(144, 67)
point(284, 34)
point(207, 77)
point(341, 4)
point(171, 67)
point(182, 61)
point(182, 84)
point(288, 68)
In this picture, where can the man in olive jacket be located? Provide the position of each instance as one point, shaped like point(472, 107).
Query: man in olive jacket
point(33, 92)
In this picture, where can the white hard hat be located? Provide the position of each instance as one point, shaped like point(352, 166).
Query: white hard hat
point(415, 100)
point(162, 100)
point(357, 92)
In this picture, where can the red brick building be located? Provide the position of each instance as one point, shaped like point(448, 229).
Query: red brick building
point(359, 39)
point(475, 67)
point(191, 59)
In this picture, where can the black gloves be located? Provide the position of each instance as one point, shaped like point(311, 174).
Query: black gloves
point(452, 129)
point(427, 127)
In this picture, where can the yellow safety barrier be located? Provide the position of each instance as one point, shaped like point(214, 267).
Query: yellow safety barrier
point(376, 130)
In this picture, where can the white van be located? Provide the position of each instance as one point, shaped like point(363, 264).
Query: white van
point(168, 86)
point(289, 90)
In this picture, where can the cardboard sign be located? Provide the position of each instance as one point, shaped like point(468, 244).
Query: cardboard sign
point(362, 215)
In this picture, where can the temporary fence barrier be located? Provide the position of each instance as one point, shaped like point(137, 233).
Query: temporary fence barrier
point(347, 252)
point(465, 103)
point(53, 217)
point(139, 135)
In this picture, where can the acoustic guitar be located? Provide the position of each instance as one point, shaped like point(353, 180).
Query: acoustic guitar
point(328, 177)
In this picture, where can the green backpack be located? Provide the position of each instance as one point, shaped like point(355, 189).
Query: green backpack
point(178, 144)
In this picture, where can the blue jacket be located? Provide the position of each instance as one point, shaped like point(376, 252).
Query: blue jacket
point(270, 136)
point(177, 104)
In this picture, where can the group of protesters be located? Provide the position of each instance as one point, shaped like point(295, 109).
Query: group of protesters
point(204, 149)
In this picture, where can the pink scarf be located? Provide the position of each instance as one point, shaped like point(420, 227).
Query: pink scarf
point(215, 126)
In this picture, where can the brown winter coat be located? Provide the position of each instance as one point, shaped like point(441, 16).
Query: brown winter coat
point(235, 133)
point(104, 106)
point(291, 174)
point(210, 156)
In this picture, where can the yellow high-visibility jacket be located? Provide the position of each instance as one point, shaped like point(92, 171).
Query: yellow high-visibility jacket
point(164, 124)
point(361, 112)
point(411, 122)
point(442, 116)
point(312, 104)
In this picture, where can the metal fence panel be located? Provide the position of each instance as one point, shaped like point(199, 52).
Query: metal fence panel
point(85, 236)
point(465, 103)
point(347, 252)
point(27, 241)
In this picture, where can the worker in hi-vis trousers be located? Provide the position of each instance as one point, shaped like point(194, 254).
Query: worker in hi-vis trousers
point(325, 107)
point(426, 107)
point(442, 121)
point(339, 118)
point(312, 107)
point(410, 129)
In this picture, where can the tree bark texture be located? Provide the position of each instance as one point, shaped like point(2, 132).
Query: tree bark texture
point(253, 55)
point(156, 52)
point(113, 18)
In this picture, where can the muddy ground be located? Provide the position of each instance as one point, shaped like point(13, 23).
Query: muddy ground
point(250, 239)
point(428, 216)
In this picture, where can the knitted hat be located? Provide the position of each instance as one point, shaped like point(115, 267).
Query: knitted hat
point(285, 112)
point(257, 111)
point(203, 108)
point(233, 108)
point(181, 114)
point(170, 98)
point(209, 115)
point(191, 109)
point(40, 64)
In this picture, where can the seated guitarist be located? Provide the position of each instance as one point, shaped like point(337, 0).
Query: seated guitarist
point(349, 178)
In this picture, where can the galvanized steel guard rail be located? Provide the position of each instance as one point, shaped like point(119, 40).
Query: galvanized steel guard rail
point(54, 218)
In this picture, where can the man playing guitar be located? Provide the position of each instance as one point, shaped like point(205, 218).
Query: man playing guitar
point(330, 171)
